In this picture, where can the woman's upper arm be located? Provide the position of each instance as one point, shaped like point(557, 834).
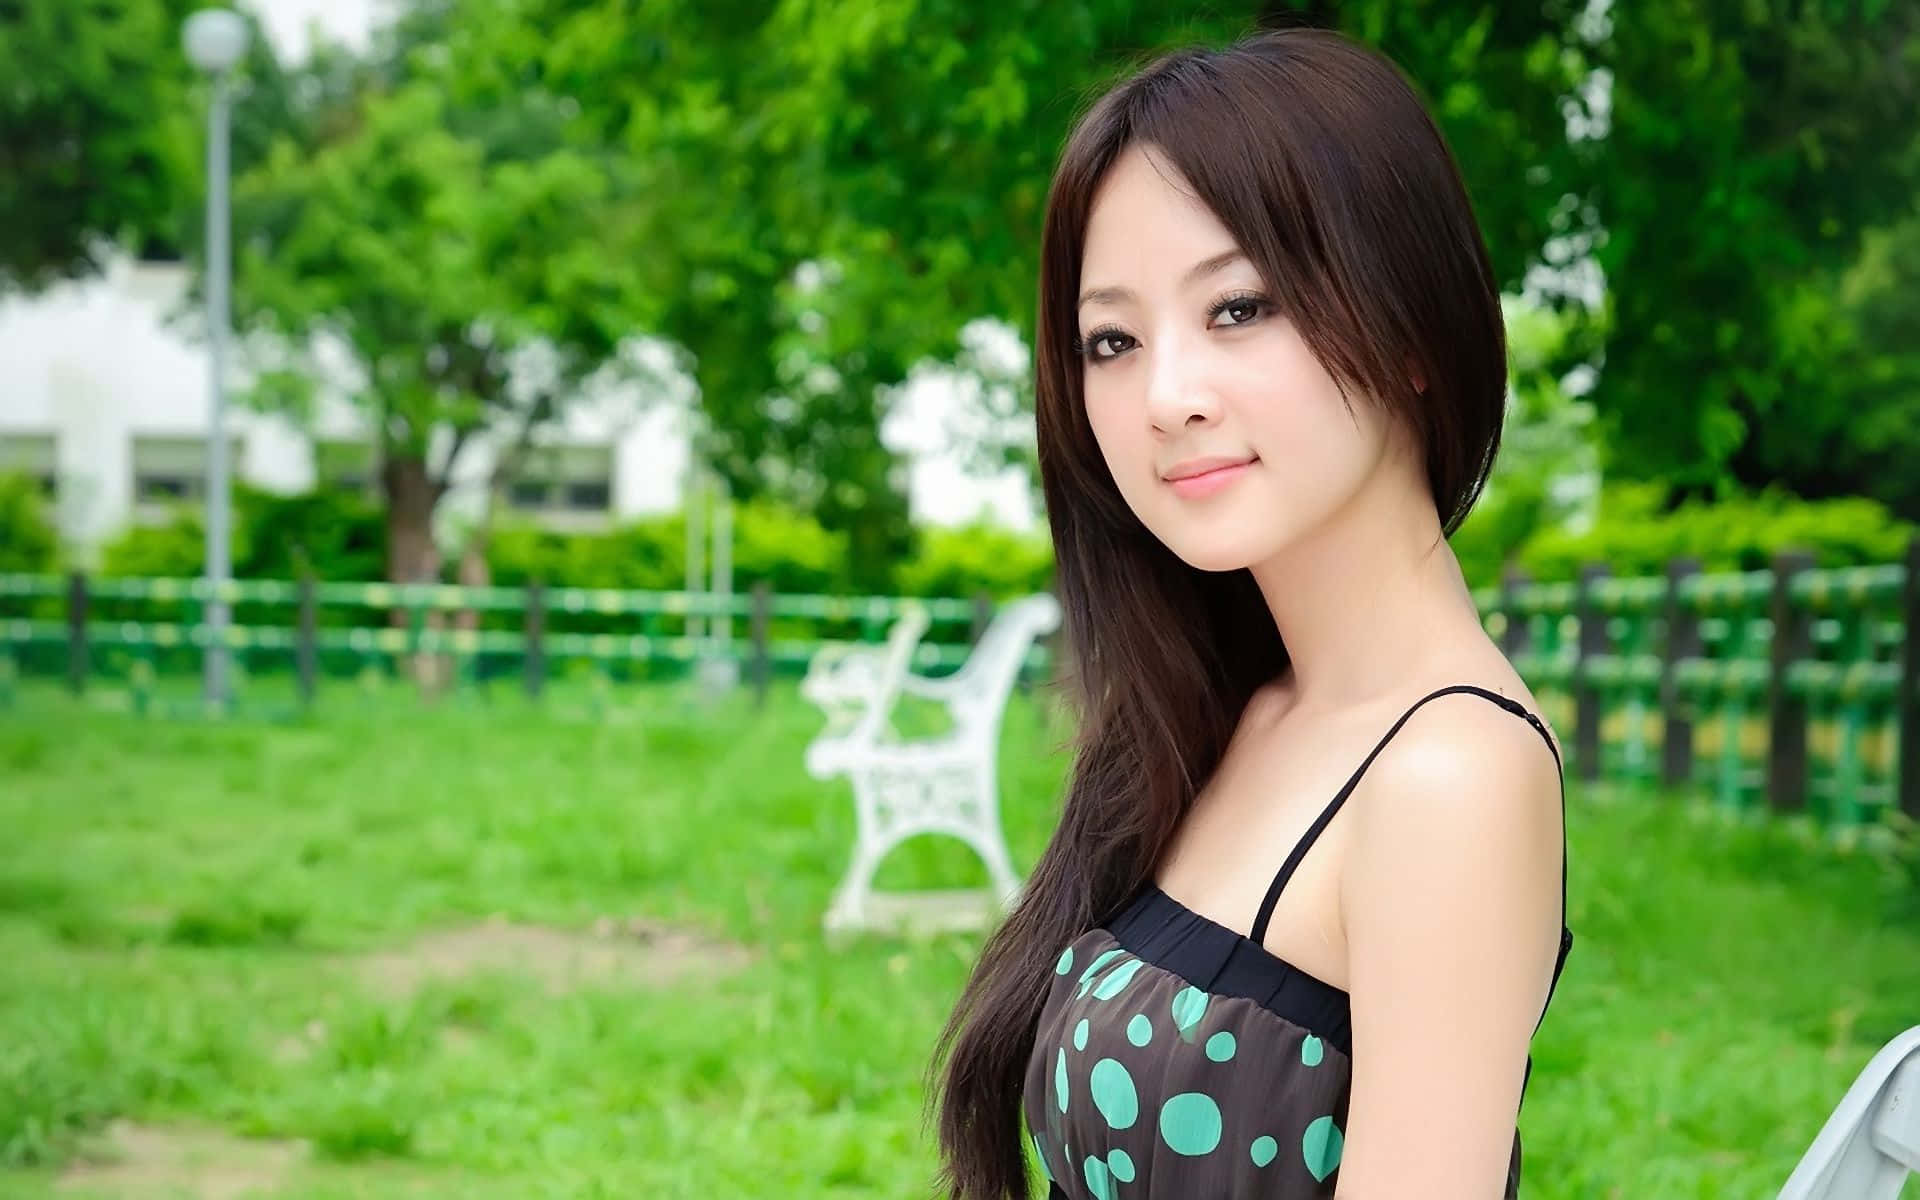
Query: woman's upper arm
point(1450, 897)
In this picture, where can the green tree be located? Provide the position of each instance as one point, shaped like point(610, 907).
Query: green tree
point(95, 134)
point(102, 132)
point(1749, 149)
point(441, 240)
point(900, 151)
point(1850, 362)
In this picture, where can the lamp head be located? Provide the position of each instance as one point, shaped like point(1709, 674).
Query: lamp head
point(215, 38)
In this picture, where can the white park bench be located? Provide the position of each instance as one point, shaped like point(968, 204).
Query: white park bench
point(1871, 1143)
point(943, 784)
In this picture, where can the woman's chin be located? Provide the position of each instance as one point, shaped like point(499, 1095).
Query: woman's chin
point(1214, 556)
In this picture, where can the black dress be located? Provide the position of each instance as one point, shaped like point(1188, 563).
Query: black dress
point(1177, 1058)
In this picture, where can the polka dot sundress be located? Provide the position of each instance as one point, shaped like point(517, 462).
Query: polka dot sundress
point(1178, 1058)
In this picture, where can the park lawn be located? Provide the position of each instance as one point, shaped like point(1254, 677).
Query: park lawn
point(213, 932)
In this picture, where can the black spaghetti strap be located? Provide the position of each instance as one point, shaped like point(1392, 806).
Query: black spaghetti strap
point(1285, 874)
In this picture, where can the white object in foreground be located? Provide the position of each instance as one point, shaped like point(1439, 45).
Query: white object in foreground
point(947, 784)
point(1872, 1141)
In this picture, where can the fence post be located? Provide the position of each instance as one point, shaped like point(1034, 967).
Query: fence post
point(1683, 644)
point(1908, 784)
point(306, 655)
point(1787, 713)
point(533, 660)
point(762, 654)
point(1587, 697)
point(77, 632)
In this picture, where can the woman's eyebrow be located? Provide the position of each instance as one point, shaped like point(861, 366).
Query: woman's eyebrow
point(1195, 273)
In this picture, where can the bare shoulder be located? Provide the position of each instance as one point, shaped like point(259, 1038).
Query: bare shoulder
point(1450, 900)
point(1468, 777)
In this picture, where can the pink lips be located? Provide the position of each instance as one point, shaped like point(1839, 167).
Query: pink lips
point(1207, 482)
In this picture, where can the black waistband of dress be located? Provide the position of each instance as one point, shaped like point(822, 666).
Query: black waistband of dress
point(1160, 930)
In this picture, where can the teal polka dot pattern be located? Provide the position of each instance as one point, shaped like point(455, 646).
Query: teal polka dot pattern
point(1060, 1080)
point(1117, 979)
point(1140, 1029)
point(1093, 968)
point(1113, 1094)
point(1189, 1005)
point(1220, 1046)
point(1312, 1050)
point(1190, 1124)
point(1066, 962)
point(1121, 1164)
point(1320, 1148)
point(1263, 1150)
point(1099, 1179)
point(1080, 1035)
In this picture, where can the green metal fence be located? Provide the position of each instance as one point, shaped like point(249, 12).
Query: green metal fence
point(1791, 689)
point(133, 631)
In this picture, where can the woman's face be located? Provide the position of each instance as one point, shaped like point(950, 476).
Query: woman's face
point(1222, 430)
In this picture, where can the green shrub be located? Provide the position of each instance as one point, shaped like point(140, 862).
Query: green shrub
point(790, 550)
point(340, 536)
point(975, 558)
point(176, 549)
point(646, 554)
point(1633, 537)
point(28, 543)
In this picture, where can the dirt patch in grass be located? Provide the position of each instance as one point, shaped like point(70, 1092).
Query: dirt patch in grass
point(146, 1162)
point(634, 951)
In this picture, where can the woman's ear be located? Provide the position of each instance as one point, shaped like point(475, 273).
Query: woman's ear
point(1418, 376)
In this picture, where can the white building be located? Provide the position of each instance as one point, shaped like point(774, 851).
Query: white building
point(104, 395)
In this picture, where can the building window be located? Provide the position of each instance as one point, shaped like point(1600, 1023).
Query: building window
point(31, 455)
point(566, 484)
point(169, 471)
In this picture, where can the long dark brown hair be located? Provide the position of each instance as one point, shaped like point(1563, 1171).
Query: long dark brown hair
point(1320, 159)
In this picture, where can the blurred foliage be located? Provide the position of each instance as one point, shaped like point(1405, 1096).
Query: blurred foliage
point(838, 219)
point(442, 236)
point(1749, 149)
point(339, 536)
point(977, 558)
point(814, 198)
point(94, 146)
point(28, 541)
point(103, 132)
point(1638, 533)
point(1548, 462)
point(789, 550)
point(1850, 361)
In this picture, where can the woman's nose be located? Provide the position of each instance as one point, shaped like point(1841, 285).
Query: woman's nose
point(1179, 396)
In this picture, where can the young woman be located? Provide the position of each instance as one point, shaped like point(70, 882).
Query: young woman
point(1305, 907)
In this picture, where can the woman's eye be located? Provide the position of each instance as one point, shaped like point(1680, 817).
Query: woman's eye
point(1105, 345)
point(1241, 308)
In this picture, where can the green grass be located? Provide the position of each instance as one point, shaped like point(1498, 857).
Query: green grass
point(183, 904)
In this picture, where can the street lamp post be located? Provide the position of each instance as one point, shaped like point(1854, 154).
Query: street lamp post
point(215, 39)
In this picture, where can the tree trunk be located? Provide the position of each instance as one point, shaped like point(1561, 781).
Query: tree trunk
point(412, 556)
point(411, 496)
